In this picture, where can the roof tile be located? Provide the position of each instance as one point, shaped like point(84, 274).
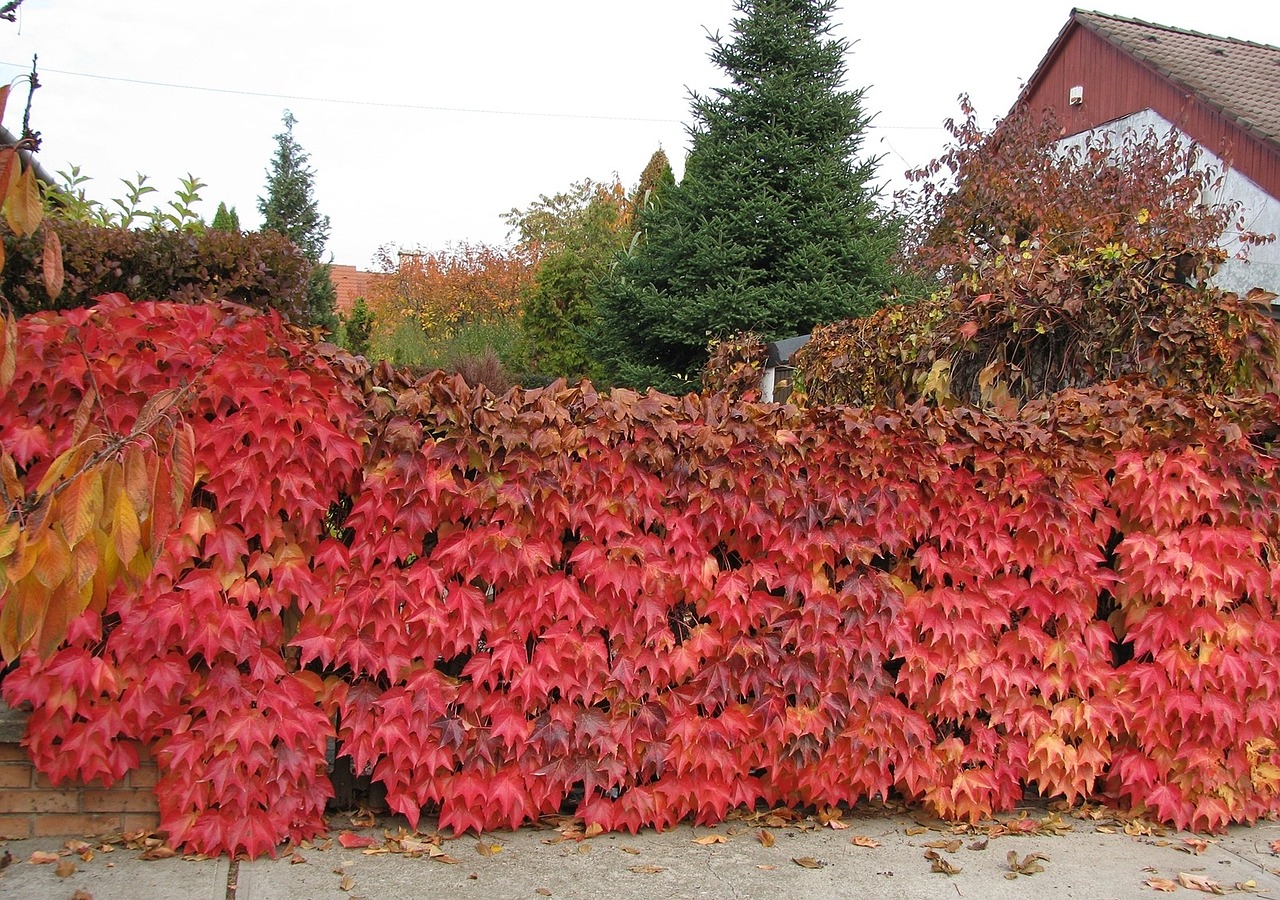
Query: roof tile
point(1239, 78)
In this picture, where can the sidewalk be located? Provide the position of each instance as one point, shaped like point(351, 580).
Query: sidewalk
point(1080, 858)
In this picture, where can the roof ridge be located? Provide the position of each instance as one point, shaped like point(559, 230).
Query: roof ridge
point(1078, 13)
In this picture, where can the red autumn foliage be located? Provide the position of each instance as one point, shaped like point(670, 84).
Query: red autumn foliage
point(674, 605)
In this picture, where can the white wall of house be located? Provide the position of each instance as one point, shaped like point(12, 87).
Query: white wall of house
point(1260, 265)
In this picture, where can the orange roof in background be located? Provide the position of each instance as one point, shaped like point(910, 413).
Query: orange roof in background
point(349, 283)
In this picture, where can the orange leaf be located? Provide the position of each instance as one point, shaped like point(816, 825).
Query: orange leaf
point(766, 837)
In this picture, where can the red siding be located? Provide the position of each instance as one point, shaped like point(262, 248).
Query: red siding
point(1115, 84)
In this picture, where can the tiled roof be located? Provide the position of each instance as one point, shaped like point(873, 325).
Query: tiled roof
point(1238, 78)
point(349, 283)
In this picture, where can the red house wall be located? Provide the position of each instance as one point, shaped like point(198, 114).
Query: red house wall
point(1116, 85)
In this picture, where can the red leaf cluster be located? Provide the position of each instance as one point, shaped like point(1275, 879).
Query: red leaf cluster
point(670, 606)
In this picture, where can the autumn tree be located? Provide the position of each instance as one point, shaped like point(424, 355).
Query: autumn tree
point(1061, 266)
point(573, 236)
point(459, 299)
point(290, 208)
point(775, 226)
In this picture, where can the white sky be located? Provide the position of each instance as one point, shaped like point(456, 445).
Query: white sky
point(427, 120)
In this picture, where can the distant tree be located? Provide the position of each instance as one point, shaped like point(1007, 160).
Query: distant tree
point(574, 236)
point(358, 327)
point(775, 226)
point(225, 219)
point(290, 208)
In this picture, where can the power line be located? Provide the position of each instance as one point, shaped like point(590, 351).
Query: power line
point(409, 106)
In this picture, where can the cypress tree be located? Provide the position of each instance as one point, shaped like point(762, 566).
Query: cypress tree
point(774, 227)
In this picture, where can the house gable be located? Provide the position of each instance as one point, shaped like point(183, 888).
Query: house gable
point(1223, 93)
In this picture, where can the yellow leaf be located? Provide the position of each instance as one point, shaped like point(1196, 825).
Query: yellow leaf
point(56, 470)
point(125, 532)
point(53, 559)
point(8, 539)
point(51, 264)
point(8, 351)
point(80, 506)
point(22, 206)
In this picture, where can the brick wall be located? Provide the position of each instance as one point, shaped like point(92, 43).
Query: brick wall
point(32, 807)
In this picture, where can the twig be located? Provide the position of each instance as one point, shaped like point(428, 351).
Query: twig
point(9, 12)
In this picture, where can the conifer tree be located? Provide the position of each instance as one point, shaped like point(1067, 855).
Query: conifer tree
point(225, 219)
point(774, 227)
point(290, 209)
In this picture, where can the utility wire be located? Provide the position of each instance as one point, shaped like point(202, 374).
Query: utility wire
point(410, 106)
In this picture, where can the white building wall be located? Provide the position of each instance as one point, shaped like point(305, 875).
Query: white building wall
point(1260, 266)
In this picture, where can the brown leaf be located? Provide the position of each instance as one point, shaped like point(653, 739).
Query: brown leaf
point(6, 861)
point(940, 863)
point(980, 845)
point(808, 862)
point(485, 849)
point(40, 857)
point(65, 869)
point(445, 858)
point(1275, 846)
point(296, 858)
point(1200, 883)
point(915, 830)
point(1195, 845)
point(632, 850)
point(765, 837)
point(949, 846)
point(708, 839)
point(82, 895)
point(51, 264)
point(347, 883)
point(543, 892)
point(1161, 884)
point(593, 829)
point(767, 867)
point(861, 840)
point(647, 870)
point(159, 851)
point(1029, 865)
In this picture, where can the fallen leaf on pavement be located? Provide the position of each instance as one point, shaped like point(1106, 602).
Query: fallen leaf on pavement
point(767, 867)
point(160, 851)
point(940, 864)
point(82, 895)
point(296, 858)
point(41, 857)
point(1161, 884)
point(1275, 846)
point(1195, 845)
point(350, 840)
point(363, 818)
point(6, 861)
point(1200, 883)
point(347, 883)
point(808, 862)
point(949, 846)
point(861, 840)
point(1247, 887)
point(593, 829)
point(632, 850)
point(708, 839)
point(916, 829)
point(488, 849)
point(647, 870)
point(980, 845)
point(65, 869)
point(543, 892)
point(445, 858)
point(1029, 865)
point(766, 837)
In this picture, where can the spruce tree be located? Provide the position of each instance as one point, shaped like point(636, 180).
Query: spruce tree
point(774, 227)
point(290, 209)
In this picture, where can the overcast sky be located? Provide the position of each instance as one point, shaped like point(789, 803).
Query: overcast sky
point(427, 120)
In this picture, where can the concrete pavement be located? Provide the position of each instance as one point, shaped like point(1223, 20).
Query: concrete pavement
point(881, 855)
